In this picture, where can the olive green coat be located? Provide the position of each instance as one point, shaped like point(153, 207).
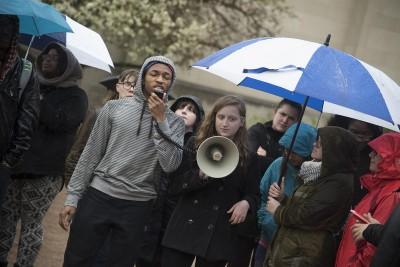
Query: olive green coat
point(316, 211)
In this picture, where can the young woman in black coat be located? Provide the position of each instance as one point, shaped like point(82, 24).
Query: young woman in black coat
point(203, 225)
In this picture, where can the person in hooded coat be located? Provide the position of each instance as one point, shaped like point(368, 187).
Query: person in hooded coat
point(39, 177)
point(316, 210)
point(383, 185)
point(364, 132)
point(113, 187)
point(302, 148)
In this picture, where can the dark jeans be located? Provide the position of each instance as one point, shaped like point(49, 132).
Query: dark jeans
point(4, 182)
point(99, 215)
point(175, 258)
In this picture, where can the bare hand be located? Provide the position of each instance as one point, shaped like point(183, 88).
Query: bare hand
point(261, 152)
point(66, 216)
point(371, 219)
point(157, 107)
point(239, 212)
point(357, 230)
point(272, 205)
point(277, 192)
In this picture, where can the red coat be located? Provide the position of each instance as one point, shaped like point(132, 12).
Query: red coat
point(382, 198)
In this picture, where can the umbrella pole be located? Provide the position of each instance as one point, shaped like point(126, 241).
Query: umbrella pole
point(29, 46)
point(287, 155)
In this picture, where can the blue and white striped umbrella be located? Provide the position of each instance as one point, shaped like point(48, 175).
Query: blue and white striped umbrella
point(336, 82)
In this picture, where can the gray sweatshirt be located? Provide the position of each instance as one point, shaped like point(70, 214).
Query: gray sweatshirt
point(125, 154)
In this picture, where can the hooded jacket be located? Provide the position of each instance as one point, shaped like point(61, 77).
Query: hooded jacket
point(63, 107)
point(316, 211)
point(125, 153)
point(383, 195)
point(303, 145)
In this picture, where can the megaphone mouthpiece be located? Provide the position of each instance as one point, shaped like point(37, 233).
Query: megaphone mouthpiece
point(216, 153)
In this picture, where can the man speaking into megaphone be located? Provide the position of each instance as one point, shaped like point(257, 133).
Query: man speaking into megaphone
point(219, 188)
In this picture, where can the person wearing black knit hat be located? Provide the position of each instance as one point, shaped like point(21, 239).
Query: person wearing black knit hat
point(191, 110)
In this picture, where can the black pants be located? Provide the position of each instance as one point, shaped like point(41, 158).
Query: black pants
point(175, 258)
point(243, 251)
point(99, 215)
point(4, 182)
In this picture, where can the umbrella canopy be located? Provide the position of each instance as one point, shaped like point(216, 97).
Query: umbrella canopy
point(35, 18)
point(336, 82)
point(86, 44)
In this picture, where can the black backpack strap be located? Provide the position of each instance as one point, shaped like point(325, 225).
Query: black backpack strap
point(25, 76)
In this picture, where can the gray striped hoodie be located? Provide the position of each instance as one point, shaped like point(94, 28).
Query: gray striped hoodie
point(124, 154)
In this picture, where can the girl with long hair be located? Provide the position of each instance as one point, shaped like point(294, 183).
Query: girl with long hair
point(204, 223)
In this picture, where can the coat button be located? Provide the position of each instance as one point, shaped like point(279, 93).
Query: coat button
point(184, 185)
point(195, 201)
point(220, 188)
point(215, 207)
point(210, 227)
point(190, 221)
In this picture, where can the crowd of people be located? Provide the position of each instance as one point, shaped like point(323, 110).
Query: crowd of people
point(136, 195)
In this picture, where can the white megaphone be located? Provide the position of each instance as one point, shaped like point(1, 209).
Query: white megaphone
point(217, 156)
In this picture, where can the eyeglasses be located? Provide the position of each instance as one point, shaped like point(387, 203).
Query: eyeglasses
point(127, 85)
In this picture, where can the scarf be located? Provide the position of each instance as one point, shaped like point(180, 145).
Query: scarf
point(310, 171)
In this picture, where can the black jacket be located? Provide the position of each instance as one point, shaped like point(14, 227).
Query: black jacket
point(63, 107)
point(387, 238)
point(200, 224)
point(262, 134)
point(18, 117)
point(62, 111)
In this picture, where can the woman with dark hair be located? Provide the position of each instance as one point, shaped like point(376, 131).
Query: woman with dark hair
point(364, 132)
point(316, 210)
point(203, 225)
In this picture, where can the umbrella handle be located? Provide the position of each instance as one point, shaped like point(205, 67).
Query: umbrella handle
point(29, 46)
